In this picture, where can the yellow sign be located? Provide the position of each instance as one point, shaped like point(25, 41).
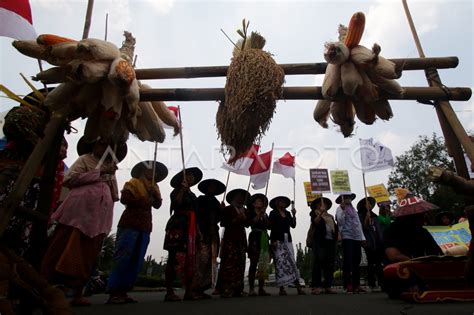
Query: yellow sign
point(450, 236)
point(379, 192)
point(310, 196)
point(340, 182)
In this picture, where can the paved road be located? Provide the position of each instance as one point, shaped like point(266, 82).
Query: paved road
point(360, 304)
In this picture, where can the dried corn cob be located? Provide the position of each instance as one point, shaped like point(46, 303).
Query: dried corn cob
point(355, 30)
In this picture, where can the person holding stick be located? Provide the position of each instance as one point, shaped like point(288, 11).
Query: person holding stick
point(181, 233)
point(139, 195)
point(235, 219)
point(352, 238)
point(281, 221)
point(373, 246)
point(84, 219)
point(208, 216)
point(258, 251)
point(323, 245)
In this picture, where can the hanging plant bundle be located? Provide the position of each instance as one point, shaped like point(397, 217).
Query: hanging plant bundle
point(254, 84)
point(362, 75)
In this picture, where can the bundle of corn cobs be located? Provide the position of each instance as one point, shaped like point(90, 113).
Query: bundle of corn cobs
point(98, 82)
point(365, 77)
point(254, 83)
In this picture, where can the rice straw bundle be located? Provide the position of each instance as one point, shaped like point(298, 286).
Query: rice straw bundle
point(254, 83)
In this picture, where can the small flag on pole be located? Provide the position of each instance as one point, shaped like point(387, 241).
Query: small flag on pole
point(285, 166)
point(16, 20)
point(375, 156)
point(260, 170)
point(242, 165)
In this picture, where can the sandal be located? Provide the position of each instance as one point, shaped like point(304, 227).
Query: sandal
point(116, 300)
point(130, 300)
point(301, 292)
point(171, 297)
point(80, 302)
point(282, 292)
point(330, 291)
point(316, 291)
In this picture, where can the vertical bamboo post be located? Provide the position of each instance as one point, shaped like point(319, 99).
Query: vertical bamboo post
point(181, 141)
point(226, 184)
point(87, 23)
point(453, 131)
point(269, 172)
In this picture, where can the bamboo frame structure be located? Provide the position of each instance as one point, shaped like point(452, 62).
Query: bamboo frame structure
point(290, 69)
point(303, 93)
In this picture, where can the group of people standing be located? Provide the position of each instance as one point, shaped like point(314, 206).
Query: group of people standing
point(356, 230)
point(193, 243)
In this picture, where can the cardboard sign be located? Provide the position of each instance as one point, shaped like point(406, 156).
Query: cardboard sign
point(340, 182)
point(379, 192)
point(319, 180)
point(310, 196)
point(450, 236)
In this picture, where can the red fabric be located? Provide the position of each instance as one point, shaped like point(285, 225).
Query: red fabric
point(174, 109)
point(262, 163)
point(20, 7)
point(191, 248)
point(287, 159)
point(253, 152)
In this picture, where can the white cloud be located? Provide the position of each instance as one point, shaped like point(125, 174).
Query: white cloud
point(161, 6)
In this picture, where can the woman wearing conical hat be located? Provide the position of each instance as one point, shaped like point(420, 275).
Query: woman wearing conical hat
point(281, 220)
point(406, 238)
point(139, 195)
point(208, 216)
point(181, 233)
point(258, 249)
point(235, 219)
point(324, 245)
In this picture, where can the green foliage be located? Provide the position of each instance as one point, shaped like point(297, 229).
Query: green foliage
point(411, 169)
point(106, 258)
point(304, 262)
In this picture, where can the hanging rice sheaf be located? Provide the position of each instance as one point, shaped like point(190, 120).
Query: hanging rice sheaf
point(254, 84)
point(360, 74)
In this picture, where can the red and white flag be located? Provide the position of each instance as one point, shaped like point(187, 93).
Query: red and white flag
point(285, 166)
point(242, 165)
point(16, 20)
point(260, 170)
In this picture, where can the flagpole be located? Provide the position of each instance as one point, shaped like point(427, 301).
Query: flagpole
point(181, 141)
point(154, 163)
point(226, 184)
point(269, 172)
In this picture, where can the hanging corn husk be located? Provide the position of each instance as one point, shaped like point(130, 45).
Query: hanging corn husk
point(365, 77)
point(321, 112)
point(254, 83)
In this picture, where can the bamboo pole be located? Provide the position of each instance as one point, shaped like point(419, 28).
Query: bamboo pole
point(226, 184)
point(181, 142)
point(454, 132)
point(304, 92)
point(31, 166)
point(87, 23)
point(269, 170)
point(290, 69)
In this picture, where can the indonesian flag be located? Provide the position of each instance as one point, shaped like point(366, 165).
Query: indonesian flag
point(242, 165)
point(285, 166)
point(260, 170)
point(15, 20)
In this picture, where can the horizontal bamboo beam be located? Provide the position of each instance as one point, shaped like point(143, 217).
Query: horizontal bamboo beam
point(290, 69)
point(303, 93)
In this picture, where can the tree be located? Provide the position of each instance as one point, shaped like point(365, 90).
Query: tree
point(411, 169)
point(303, 262)
point(106, 257)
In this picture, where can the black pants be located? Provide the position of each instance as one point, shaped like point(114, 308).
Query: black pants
point(374, 267)
point(351, 266)
point(324, 255)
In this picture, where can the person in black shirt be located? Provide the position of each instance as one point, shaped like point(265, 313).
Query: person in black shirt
point(258, 246)
point(281, 221)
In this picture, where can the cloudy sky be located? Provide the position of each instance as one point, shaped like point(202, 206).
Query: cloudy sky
point(187, 33)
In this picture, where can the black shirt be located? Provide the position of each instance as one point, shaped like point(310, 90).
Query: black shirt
point(208, 216)
point(410, 241)
point(280, 225)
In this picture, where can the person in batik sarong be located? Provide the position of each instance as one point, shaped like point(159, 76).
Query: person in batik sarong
point(139, 195)
point(235, 219)
point(181, 234)
point(208, 217)
point(258, 248)
point(281, 221)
